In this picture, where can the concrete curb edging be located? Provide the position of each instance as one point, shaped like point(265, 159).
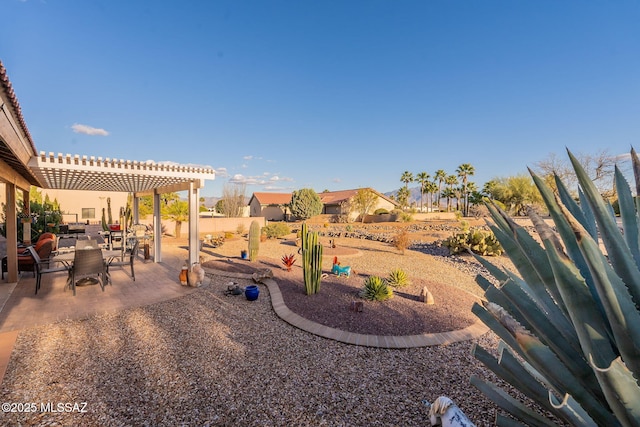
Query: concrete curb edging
point(379, 341)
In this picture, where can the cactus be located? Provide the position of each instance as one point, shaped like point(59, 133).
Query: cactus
point(311, 260)
point(477, 241)
point(105, 226)
point(254, 240)
point(109, 216)
point(569, 320)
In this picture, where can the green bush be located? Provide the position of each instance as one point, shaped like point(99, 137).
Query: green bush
point(477, 241)
point(381, 211)
point(276, 230)
point(406, 217)
point(398, 278)
point(376, 289)
point(305, 203)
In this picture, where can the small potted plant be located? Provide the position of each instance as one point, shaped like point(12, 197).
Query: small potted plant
point(243, 254)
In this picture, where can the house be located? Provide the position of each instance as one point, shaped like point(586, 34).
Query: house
point(274, 206)
point(335, 202)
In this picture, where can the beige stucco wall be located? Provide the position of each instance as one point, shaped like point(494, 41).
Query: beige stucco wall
point(73, 202)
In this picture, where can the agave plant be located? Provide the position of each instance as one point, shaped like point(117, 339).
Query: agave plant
point(569, 322)
point(375, 289)
point(398, 278)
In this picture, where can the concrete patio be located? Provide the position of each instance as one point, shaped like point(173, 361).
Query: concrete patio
point(21, 308)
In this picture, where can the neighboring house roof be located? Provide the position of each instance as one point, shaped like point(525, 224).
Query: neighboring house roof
point(327, 198)
point(337, 197)
point(272, 198)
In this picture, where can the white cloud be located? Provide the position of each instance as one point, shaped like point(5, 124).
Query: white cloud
point(88, 130)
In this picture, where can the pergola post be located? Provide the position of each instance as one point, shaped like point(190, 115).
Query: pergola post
point(157, 228)
point(194, 233)
point(26, 227)
point(12, 234)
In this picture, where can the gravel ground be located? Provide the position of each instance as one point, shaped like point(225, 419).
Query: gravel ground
point(209, 359)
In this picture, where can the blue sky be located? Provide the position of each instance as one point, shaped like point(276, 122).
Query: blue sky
point(327, 94)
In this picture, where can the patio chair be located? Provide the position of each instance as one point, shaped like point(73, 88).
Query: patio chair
point(131, 254)
point(43, 247)
point(43, 266)
point(88, 262)
point(86, 243)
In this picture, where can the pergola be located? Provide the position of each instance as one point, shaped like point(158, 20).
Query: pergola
point(67, 172)
point(21, 166)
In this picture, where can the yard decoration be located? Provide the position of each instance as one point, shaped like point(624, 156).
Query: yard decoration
point(337, 270)
point(569, 322)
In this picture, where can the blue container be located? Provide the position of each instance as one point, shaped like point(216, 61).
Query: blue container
point(252, 292)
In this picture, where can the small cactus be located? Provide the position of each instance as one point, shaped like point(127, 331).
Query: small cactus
point(254, 240)
point(477, 241)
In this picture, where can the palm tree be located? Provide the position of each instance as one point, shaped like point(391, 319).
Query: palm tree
point(430, 188)
point(471, 188)
point(403, 197)
point(439, 177)
point(448, 194)
point(463, 171)
point(406, 177)
point(450, 180)
point(422, 178)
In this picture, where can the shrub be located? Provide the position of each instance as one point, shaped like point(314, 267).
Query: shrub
point(477, 241)
point(381, 211)
point(406, 217)
point(401, 241)
point(305, 203)
point(241, 229)
point(228, 235)
point(276, 230)
point(398, 278)
point(376, 289)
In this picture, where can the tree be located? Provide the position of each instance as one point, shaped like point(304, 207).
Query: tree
point(514, 192)
point(363, 201)
point(406, 177)
point(403, 197)
point(464, 171)
point(599, 167)
point(430, 188)
point(145, 206)
point(178, 211)
point(449, 194)
point(233, 200)
point(451, 181)
point(439, 177)
point(305, 203)
point(422, 178)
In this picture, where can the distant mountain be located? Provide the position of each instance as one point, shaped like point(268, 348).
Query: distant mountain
point(414, 194)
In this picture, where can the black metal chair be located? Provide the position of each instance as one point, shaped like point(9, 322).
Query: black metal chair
point(88, 262)
point(44, 266)
point(127, 259)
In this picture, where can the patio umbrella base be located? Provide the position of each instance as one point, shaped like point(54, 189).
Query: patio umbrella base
point(87, 281)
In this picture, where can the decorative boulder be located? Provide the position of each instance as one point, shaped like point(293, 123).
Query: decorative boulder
point(261, 274)
point(426, 296)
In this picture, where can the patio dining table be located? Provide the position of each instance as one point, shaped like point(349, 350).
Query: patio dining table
point(108, 255)
point(68, 257)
